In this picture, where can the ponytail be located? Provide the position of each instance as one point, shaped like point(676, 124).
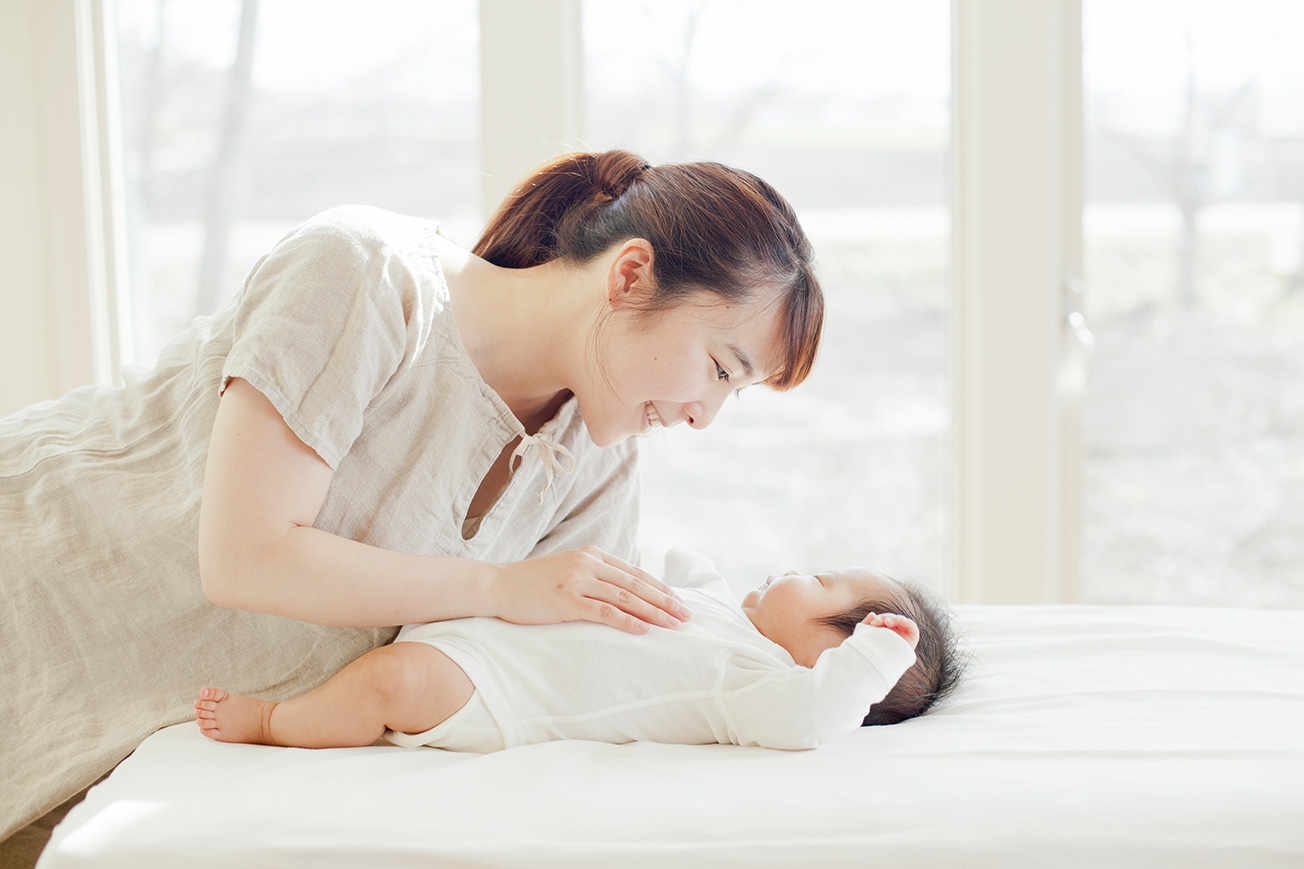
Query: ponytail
point(712, 228)
point(574, 188)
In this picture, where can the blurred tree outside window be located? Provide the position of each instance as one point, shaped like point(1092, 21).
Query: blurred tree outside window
point(843, 108)
point(243, 118)
point(1194, 228)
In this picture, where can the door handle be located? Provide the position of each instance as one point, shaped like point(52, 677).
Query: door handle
point(1080, 347)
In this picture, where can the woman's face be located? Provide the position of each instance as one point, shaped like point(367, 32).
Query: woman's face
point(677, 366)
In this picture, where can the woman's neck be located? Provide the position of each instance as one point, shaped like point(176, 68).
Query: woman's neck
point(524, 329)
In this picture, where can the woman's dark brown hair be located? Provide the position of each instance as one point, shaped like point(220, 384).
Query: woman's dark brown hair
point(712, 228)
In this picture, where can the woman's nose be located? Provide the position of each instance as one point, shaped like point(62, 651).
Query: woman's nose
point(702, 413)
point(698, 415)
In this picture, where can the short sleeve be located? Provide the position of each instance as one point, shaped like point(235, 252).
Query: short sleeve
point(320, 328)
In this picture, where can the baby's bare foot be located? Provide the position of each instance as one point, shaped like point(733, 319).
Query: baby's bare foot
point(233, 718)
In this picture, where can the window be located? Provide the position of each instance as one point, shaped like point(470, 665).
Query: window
point(241, 119)
point(1194, 473)
point(844, 108)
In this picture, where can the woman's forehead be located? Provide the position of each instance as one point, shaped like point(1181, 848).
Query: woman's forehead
point(750, 329)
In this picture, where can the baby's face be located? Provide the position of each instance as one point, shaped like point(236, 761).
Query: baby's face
point(787, 606)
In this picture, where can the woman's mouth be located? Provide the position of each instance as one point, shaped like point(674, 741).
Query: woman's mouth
point(653, 418)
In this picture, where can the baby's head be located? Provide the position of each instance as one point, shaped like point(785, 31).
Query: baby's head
point(810, 614)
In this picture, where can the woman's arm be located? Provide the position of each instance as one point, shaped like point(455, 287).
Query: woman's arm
point(263, 489)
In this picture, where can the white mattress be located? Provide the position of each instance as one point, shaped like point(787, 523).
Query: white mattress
point(1084, 736)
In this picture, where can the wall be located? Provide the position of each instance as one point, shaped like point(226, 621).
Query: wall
point(26, 311)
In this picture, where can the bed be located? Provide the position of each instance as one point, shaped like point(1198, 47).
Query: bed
point(1084, 736)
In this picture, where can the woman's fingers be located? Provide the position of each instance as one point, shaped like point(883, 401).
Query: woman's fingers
point(626, 597)
point(637, 573)
point(594, 610)
point(587, 584)
point(641, 594)
point(630, 597)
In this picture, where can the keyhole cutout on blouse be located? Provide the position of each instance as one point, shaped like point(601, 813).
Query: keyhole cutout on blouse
point(491, 488)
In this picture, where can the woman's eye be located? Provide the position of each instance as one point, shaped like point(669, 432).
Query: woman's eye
point(720, 373)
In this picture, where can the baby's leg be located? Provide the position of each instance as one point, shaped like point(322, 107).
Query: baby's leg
point(408, 687)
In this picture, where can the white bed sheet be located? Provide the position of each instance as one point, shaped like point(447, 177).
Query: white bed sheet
point(1084, 736)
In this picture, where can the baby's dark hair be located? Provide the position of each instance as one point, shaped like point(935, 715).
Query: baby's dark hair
point(939, 663)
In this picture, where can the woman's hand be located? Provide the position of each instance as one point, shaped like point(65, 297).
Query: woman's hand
point(586, 584)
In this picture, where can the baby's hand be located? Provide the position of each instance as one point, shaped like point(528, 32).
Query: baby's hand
point(900, 625)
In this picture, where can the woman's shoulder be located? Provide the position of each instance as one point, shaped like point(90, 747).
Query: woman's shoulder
point(363, 231)
point(360, 219)
point(348, 252)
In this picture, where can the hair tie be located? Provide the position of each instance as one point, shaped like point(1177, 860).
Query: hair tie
point(613, 193)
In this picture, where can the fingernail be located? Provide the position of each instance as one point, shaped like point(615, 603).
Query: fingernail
point(684, 613)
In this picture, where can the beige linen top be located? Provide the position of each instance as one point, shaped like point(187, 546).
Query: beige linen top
point(346, 327)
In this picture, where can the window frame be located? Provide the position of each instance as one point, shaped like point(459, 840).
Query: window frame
point(1015, 462)
point(1017, 198)
point(69, 205)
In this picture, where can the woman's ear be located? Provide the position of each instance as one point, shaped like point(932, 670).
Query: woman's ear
point(629, 277)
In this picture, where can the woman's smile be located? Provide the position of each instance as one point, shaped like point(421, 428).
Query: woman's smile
point(652, 417)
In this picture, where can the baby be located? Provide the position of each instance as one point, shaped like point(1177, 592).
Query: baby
point(803, 660)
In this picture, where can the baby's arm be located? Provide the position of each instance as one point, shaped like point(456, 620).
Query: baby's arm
point(799, 707)
point(688, 569)
point(903, 627)
point(407, 686)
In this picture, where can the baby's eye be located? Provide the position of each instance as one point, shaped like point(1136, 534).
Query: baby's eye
point(720, 373)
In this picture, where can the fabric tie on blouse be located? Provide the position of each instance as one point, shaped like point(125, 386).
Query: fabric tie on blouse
point(548, 451)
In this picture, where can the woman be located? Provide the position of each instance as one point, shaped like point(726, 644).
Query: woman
point(381, 429)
